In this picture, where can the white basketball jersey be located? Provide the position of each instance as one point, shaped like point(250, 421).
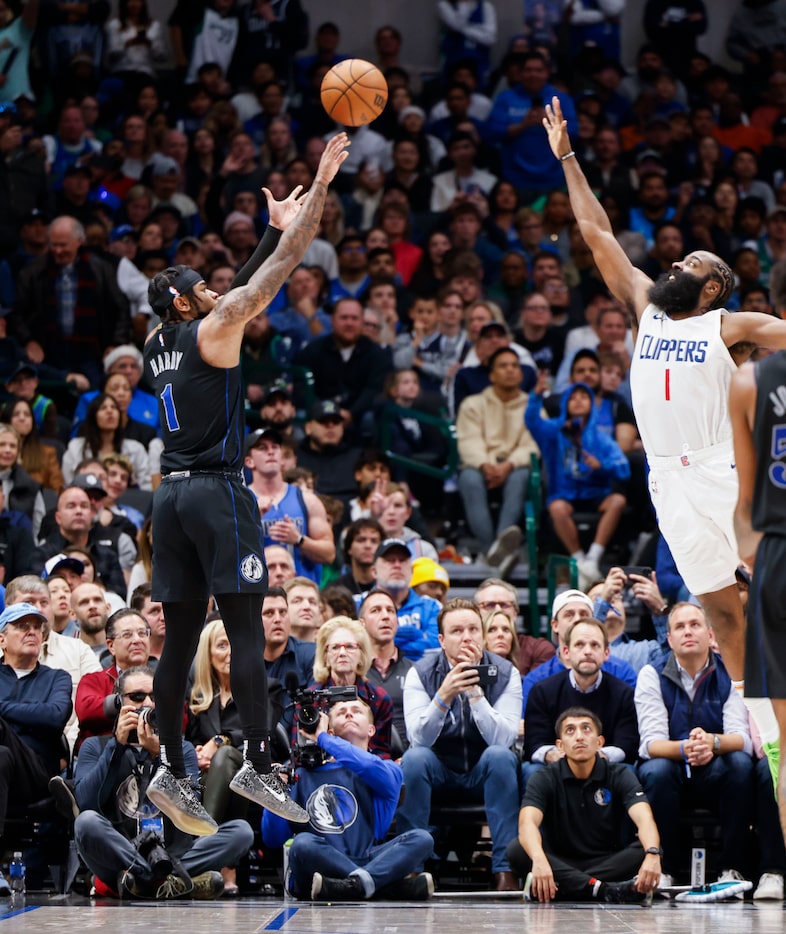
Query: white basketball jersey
point(679, 380)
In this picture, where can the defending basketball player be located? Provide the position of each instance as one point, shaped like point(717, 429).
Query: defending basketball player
point(207, 537)
point(680, 373)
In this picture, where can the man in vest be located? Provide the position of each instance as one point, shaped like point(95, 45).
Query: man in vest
point(461, 732)
point(695, 740)
point(291, 517)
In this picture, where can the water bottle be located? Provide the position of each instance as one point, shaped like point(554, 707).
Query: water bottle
point(16, 874)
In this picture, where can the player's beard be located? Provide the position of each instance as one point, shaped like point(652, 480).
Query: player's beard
point(677, 293)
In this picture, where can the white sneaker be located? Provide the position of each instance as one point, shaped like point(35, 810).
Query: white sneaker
point(770, 887)
point(731, 875)
point(589, 573)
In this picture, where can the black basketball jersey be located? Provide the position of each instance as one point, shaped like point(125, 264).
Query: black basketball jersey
point(769, 437)
point(201, 406)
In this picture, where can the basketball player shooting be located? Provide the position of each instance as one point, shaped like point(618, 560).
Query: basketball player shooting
point(680, 373)
point(207, 535)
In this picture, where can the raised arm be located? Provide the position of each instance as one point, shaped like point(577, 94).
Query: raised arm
point(625, 282)
point(221, 333)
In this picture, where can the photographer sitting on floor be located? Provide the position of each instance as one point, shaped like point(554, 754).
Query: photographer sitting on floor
point(124, 840)
point(350, 799)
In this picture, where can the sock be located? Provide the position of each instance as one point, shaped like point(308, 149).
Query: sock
point(738, 686)
point(257, 751)
point(175, 764)
point(597, 887)
point(595, 552)
point(578, 555)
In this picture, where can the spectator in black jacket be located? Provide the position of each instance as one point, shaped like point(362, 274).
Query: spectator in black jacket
point(348, 367)
point(18, 554)
point(325, 451)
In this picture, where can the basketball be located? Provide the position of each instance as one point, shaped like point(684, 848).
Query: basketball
point(354, 92)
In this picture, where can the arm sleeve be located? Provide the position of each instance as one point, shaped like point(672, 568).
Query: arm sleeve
point(265, 248)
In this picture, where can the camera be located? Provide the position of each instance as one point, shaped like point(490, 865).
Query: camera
point(151, 848)
point(308, 707)
point(146, 715)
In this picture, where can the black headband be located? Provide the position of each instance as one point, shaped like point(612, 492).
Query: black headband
point(182, 283)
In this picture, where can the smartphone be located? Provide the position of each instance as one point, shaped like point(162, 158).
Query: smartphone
point(488, 674)
point(643, 571)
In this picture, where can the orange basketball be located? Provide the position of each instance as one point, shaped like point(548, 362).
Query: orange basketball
point(354, 92)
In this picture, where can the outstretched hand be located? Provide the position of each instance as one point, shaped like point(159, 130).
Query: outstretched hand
point(556, 128)
point(333, 157)
point(282, 213)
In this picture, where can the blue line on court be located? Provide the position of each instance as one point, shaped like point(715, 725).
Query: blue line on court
point(19, 911)
point(281, 919)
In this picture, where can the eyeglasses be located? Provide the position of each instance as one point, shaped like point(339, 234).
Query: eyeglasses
point(25, 625)
point(345, 646)
point(129, 634)
point(497, 605)
point(138, 696)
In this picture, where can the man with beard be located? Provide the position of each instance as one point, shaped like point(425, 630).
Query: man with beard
point(192, 361)
point(325, 451)
point(680, 374)
point(291, 517)
point(278, 411)
point(416, 614)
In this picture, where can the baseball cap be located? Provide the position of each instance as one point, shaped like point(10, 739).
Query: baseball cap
point(189, 241)
point(77, 169)
point(123, 350)
point(570, 596)
point(278, 388)
point(391, 544)
point(325, 409)
point(121, 232)
point(163, 165)
point(237, 217)
point(494, 326)
point(22, 368)
point(62, 562)
point(261, 434)
point(35, 215)
point(425, 570)
point(17, 611)
point(90, 483)
point(648, 154)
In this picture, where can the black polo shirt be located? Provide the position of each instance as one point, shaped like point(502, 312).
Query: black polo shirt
point(583, 818)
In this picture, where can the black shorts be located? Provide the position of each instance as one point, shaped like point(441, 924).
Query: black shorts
point(207, 539)
point(765, 637)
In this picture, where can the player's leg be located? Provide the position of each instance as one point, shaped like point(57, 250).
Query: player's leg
point(171, 789)
point(724, 613)
point(256, 780)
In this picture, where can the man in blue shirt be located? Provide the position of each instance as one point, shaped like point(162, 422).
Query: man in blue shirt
point(351, 801)
point(516, 122)
point(569, 606)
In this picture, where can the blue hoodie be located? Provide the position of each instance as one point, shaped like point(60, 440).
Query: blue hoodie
point(568, 476)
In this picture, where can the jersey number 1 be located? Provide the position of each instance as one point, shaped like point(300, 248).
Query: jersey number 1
point(170, 412)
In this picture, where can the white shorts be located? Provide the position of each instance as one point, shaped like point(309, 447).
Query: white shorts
point(694, 497)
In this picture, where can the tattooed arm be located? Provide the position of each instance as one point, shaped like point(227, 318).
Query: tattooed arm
point(221, 332)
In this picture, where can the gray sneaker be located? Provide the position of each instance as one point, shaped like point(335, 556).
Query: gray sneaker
point(175, 798)
point(268, 791)
point(506, 543)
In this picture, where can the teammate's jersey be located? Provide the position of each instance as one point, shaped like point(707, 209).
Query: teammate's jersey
point(679, 380)
point(200, 406)
point(769, 436)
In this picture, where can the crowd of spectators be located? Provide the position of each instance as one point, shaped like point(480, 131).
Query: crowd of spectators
point(448, 286)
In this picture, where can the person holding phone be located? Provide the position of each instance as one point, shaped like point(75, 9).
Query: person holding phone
point(461, 733)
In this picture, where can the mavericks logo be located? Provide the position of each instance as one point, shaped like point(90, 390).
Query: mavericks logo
point(331, 809)
point(252, 569)
point(602, 797)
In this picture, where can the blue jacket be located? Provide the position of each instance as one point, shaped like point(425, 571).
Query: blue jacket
point(417, 625)
point(568, 477)
point(37, 708)
point(527, 160)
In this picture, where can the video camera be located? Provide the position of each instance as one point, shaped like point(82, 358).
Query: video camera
point(308, 707)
